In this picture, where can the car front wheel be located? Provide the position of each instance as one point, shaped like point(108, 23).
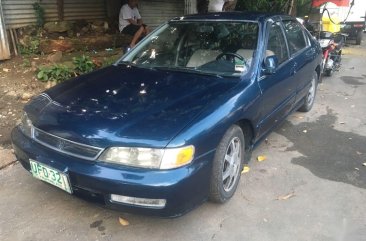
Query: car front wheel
point(227, 165)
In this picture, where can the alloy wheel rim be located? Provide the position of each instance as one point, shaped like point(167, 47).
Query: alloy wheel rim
point(231, 164)
point(311, 94)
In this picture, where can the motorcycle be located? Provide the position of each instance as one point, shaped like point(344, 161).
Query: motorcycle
point(331, 44)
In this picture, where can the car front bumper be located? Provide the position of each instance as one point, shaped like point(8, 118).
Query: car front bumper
point(183, 188)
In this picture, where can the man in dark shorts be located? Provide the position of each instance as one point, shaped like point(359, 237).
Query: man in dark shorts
point(130, 22)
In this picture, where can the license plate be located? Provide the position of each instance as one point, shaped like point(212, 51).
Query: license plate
point(50, 175)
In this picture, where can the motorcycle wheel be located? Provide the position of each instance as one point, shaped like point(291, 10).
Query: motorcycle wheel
point(328, 72)
point(359, 37)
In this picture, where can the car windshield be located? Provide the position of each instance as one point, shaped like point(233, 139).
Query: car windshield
point(219, 47)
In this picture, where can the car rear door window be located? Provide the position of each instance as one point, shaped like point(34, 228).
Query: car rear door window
point(295, 36)
point(276, 43)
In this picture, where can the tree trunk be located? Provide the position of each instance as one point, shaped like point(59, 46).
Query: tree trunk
point(292, 8)
point(202, 6)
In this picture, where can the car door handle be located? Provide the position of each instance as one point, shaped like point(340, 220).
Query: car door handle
point(294, 69)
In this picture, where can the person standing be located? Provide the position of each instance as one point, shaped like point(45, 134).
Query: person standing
point(130, 22)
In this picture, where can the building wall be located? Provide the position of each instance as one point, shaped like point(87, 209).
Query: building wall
point(84, 9)
point(4, 44)
point(19, 13)
point(157, 12)
point(190, 7)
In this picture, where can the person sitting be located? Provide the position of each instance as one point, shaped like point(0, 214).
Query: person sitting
point(130, 22)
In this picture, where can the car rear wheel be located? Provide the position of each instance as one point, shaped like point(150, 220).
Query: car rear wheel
point(310, 97)
point(227, 166)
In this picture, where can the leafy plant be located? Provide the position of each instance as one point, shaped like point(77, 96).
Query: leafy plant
point(264, 5)
point(110, 60)
point(55, 72)
point(26, 63)
point(31, 48)
point(39, 12)
point(83, 64)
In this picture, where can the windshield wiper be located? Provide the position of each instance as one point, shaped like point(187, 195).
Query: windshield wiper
point(186, 70)
point(126, 63)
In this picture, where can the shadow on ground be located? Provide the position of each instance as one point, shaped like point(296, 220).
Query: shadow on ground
point(351, 80)
point(328, 153)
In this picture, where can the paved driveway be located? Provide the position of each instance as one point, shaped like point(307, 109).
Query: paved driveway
point(312, 186)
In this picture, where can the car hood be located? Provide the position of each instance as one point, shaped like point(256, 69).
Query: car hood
point(126, 106)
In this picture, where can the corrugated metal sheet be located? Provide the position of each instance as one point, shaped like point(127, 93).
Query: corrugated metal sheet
point(190, 7)
point(4, 44)
point(19, 13)
point(157, 12)
point(84, 9)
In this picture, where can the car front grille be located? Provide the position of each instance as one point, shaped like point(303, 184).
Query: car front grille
point(66, 146)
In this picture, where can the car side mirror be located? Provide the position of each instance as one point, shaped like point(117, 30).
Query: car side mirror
point(270, 64)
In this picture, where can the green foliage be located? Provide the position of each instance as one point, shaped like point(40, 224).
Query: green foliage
point(109, 61)
point(26, 63)
point(55, 72)
point(263, 5)
point(303, 7)
point(39, 12)
point(83, 64)
point(31, 48)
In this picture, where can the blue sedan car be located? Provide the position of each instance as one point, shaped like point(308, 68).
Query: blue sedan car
point(172, 123)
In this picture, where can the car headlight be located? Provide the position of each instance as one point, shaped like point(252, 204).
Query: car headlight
point(26, 125)
point(149, 157)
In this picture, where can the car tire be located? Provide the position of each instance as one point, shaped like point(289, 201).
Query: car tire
point(359, 37)
point(310, 96)
point(227, 165)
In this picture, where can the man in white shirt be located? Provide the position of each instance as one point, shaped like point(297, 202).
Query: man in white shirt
point(130, 22)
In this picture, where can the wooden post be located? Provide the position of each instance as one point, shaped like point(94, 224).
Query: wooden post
point(60, 10)
point(292, 8)
point(16, 40)
point(13, 41)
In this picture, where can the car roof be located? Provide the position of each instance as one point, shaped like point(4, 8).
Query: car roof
point(248, 16)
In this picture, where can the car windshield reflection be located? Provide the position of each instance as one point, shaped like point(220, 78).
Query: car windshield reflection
point(220, 48)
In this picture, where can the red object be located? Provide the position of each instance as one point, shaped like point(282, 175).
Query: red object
point(340, 3)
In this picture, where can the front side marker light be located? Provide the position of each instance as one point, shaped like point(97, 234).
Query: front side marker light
point(177, 157)
point(26, 125)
